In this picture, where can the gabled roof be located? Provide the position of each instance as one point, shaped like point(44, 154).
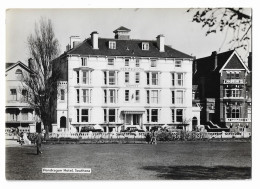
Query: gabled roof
point(121, 28)
point(10, 66)
point(206, 65)
point(126, 48)
point(234, 62)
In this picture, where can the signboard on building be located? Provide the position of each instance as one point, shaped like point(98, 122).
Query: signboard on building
point(233, 81)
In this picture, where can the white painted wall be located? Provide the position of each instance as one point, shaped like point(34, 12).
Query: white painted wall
point(99, 64)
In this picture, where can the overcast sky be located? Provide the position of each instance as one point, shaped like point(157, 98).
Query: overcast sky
point(175, 24)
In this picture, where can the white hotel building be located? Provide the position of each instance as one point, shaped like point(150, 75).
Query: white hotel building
point(112, 84)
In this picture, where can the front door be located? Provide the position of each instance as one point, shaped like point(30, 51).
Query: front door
point(136, 119)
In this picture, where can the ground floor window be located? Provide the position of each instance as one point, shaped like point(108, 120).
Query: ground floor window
point(84, 115)
point(179, 115)
point(110, 115)
point(152, 115)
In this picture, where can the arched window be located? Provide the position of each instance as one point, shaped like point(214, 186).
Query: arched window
point(18, 74)
point(237, 113)
point(233, 114)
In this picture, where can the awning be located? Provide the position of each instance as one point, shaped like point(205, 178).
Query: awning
point(133, 111)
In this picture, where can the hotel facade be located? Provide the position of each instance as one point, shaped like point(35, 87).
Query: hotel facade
point(112, 84)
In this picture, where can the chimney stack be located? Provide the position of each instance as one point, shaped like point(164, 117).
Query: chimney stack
point(74, 40)
point(94, 39)
point(30, 63)
point(215, 56)
point(160, 42)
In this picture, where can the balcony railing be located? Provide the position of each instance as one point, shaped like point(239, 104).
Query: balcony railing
point(233, 81)
point(238, 119)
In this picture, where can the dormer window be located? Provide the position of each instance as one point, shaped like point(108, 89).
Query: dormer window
point(145, 46)
point(112, 45)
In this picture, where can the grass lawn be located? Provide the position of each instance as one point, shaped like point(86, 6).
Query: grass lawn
point(180, 160)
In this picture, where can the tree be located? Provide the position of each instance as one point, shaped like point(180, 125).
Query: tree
point(42, 84)
point(224, 20)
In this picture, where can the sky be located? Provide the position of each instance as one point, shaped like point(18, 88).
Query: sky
point(176, 25)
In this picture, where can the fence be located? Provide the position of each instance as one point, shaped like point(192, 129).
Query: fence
point(97, 135)
point(141, 135)
point(136, 135)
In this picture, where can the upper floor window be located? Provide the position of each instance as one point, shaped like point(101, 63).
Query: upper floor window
point(180, 79)
point(233, 93)
point(112, 95)
point(85, 78)
point(13, 95)
point(137, 95)
point(179, 97)
point(233, 112)
point(126, 77)
point(112, 45)
point(109, 77)
point(178, 63)
point(154, 78)
point(62, 94)
point(127, 95)
point(173, 79)
point(126, 62)
point(86, 98)
point(153, 63)
point(137, 63)
point(18, 74)
point(173, 97)
point(84, 61)
point(233, 75)
point(24, 95)
point(77, 95)
point(137, 77)
point(77, 77)
point(154, 96)
point(112, 78)
point(110, 61)
point(145, 46)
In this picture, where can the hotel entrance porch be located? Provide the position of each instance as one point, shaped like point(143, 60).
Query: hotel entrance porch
point(133, 118)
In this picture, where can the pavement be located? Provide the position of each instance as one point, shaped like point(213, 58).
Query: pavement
point(14, 143)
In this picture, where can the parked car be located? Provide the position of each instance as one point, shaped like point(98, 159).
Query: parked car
point(86, 129)
point(132, 129)
point(129, 129)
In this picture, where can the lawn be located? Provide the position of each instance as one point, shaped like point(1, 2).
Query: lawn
point(180, 160)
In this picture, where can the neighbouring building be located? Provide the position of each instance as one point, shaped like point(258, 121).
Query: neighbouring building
point(18, 112)
point(222, 88)
point(115, 83)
